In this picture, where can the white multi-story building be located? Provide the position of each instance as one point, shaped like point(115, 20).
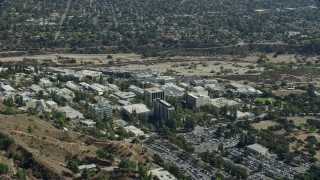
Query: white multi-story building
point(196, 101)
point(102, 110)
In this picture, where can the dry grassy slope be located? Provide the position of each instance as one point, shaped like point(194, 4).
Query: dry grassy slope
point(49, 145)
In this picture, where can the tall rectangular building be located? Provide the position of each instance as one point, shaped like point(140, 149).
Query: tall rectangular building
point(163, 110)
point(153, 93)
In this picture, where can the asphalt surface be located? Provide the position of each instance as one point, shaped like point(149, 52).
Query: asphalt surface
point(169, 155)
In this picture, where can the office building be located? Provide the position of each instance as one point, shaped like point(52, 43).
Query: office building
point(137, 108)
point(195, 101)
point(153, 93)
point(163, 110)
point(101, 110)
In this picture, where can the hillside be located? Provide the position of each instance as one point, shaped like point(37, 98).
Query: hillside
point(48, 146)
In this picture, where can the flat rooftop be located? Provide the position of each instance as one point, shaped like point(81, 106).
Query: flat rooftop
point(125, 95)
point(164, 103)
point(139, 108)
point(257, 147)
point(153, 90)
point(134, 130)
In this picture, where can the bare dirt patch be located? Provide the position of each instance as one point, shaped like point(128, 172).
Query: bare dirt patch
point(287, 92)
point(264, 124)
point(196, 68)
point(298, 120)
point(80, 58)
point(287, 58)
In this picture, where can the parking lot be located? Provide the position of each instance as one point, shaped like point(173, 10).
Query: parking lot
point(269, 165)
point(205, 139)
point(170, 153)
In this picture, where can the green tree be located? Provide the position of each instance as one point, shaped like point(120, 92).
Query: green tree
point(32, 111)
point(127, 165)
point(30, 129)
point(8, 102)
point(143, 173)
point(3, 168)
point(21, 174)
point(19, 100)
point(158, 160)
point(40, 94)
point(260, 167)
point(110, 80)
point(85, 174)
point(6, 141)
point(220, 148)
point(73, 165)
point(190, 123)
point(36, 79)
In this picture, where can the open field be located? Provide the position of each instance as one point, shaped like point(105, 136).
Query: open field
point(301, 135)
point(264, 124)
point(298, 120)
point(287, 58)
point(179, 65)
point(195, 68)
point(263, 100)
point(283, 58)
point(287, 92)
point(92, 58)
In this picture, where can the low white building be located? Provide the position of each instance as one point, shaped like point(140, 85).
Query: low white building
point(39, 104)
point(136, 89)
point(88, 123)
point(125, 95)
point(257, 149)
point(136, 131)
point(7, 88)
point(120, 123)
point(195, 100)
point(244, 115)
point(45, 83)
point(90, 167)
point(184, 85)
point(222, 102)
point(170, 89)
point(31, 103)
point(36, 88)
point(138, 108)
point(114, 87)
point(200, 90)
point(87, 73)
point(71, 85)
point(70, 112)
point(51, 104)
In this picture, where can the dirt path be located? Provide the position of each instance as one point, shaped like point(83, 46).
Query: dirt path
point(62, 20)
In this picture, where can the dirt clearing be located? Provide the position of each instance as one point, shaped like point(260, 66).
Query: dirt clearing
point(264, 124)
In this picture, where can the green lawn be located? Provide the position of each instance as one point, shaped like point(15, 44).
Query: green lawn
point(308, 130)
point(263, 100)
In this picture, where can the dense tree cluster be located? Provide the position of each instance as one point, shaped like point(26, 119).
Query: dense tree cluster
point(154, 25)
